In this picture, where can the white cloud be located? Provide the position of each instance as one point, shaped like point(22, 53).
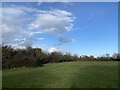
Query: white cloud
point(55, 22)
point(53, 49)
point(16, 30)
point(11, 11)
point(14, 24)
point(11, 24)
point(8, 30)
point(27, 41)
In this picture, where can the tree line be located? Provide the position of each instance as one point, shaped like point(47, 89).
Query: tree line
point(34, 57)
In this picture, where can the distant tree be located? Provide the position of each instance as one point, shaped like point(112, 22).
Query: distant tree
point(0, 57)
point(91, 58)
point(34, 57)
point(85, 58)
point(116, 56)
point(68, 57)
point(75, 57)
point(54, 57)
point(7, 56)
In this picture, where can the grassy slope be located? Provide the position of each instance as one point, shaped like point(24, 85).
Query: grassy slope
point(64, 75)
point(0, 79)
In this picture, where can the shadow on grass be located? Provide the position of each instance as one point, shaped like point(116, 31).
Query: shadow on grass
point(96, 77)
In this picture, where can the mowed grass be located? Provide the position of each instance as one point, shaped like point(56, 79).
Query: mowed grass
point(64, 75)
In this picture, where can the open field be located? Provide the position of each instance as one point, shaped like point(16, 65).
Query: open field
point(64, 75)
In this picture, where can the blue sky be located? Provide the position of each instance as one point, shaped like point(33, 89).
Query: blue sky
point(79, 28)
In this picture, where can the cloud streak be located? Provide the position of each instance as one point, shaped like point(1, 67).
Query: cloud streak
point(63, 40)
point(66, 40)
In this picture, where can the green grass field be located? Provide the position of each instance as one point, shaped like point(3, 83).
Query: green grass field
point(64, 75)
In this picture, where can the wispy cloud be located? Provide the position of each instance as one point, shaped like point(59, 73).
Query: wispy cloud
point(40, 38)
point(66, 40)
point(63, 40)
